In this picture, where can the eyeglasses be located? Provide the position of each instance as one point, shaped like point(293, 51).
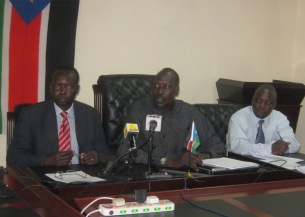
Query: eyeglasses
point(60, 174)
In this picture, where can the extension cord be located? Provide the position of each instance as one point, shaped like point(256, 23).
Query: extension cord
point(136, 208)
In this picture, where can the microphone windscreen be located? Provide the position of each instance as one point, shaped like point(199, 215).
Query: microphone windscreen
point(130, 129)
point(157, 119)
point(152, 125)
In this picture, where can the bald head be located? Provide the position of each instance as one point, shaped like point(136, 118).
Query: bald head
point(264, 100)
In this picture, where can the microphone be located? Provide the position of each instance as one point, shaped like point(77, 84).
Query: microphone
point(130, 132)
point(153, 123)
point(130, 129)
point(108, 168)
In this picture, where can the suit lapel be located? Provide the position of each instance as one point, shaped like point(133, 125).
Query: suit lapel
point(51, 120)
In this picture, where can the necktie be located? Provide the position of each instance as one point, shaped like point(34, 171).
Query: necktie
point(64, 133)
point(260, 137)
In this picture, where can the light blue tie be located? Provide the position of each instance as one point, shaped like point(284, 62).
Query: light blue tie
point(260, 137)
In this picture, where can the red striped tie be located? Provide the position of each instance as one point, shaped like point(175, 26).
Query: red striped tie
point(64, 134)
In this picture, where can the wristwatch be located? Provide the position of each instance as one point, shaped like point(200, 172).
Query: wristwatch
point(163, 160)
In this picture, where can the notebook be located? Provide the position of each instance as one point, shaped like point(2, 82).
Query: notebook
point(227, 165)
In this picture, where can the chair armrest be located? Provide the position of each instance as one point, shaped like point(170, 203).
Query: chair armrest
point(98, 97)
point(10, 128)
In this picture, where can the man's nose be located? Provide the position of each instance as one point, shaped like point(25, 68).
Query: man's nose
point(160, 90)
point(63, 89)
point(263, 105)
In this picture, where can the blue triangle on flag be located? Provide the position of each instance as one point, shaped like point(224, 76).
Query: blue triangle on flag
point(29, 9)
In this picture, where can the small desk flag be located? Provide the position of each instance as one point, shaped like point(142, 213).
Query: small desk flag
point(194, 142)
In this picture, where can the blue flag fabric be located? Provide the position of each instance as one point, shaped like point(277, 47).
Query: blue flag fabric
point(29, 9)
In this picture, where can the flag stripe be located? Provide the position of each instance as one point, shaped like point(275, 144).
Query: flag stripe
point(61, 36)
point(5, 58)
point(23, 60)
point(42, 52)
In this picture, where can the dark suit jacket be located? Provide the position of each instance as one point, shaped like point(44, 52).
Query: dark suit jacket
point(36, 134)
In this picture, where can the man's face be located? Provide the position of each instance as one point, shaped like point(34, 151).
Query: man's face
point(164, 91)
point(64, 88)
point(263, 103)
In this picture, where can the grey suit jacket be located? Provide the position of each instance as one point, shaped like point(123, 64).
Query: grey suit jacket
point(36, 134)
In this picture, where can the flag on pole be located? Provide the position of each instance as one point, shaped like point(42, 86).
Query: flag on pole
point(194, 141)
point(35, 36)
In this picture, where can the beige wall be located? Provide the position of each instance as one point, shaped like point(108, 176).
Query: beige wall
point(247, 40)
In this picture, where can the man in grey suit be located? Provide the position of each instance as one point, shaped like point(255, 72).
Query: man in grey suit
point(36, 135)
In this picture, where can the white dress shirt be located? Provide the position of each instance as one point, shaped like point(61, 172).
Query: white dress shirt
point(71, 120)
point(242, 133)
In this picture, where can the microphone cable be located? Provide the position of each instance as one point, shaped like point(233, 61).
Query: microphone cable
point(261, 173)
point(129, 152)
point(198, 205)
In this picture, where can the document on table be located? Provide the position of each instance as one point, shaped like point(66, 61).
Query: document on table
point(285, 162)
point(300, 168)
point(228, 163)
point(73, 176)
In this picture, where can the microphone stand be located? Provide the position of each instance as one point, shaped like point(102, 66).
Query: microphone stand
point(132, 153)
point(150, 150)
point(149, 174)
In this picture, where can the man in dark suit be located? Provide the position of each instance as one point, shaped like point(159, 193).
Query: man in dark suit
point(36, 139)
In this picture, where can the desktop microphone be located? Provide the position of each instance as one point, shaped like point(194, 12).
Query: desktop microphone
point(153, 123)
point(130, 132)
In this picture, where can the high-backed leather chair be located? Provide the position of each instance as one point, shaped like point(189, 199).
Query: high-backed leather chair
point(113, 95)
point(12, 118)
point(219, 116)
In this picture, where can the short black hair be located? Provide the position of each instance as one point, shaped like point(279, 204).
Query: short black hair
point(173, 72)
point(270, 88)
point(67, 68)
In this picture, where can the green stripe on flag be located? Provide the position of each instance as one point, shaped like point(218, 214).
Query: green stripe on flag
point(1, 48)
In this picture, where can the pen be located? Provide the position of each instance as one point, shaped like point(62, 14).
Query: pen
point(279, 135)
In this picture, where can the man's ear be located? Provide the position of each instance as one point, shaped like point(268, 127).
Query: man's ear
point(50, 87)
point(77, 89)
point(177, 91)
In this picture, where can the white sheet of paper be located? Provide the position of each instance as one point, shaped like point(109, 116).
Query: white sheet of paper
point(75, 176)
point(300, 168)
point(228, 163)
point(285, 162)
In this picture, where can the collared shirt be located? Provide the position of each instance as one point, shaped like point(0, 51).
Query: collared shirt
point(71, 120)
point(175, 132)
point(242, 133)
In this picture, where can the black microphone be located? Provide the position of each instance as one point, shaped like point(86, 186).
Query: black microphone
point(108, 168)
point(152, 125)
point(130, 132)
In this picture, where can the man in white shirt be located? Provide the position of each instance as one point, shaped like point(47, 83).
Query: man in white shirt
point(259, 130)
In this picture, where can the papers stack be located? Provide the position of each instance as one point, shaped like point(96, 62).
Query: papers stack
point(73, 176)
point(229, 163)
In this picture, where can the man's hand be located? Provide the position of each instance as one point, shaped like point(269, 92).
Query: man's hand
point(187, 159)
point(90, 158)
point(280, 147)
point(58, 159)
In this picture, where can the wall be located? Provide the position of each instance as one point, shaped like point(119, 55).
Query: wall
point(203, 40)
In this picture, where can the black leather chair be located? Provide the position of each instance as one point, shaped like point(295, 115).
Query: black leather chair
point(219, 116)
point(12, 118)
point(113, 95)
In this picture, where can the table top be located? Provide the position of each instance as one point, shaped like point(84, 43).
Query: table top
point(281, 198)
point(243, 194)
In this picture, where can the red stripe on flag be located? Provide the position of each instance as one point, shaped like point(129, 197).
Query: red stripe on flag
point(23, 60)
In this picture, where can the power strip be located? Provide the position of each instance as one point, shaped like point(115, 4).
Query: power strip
point(136, 208)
